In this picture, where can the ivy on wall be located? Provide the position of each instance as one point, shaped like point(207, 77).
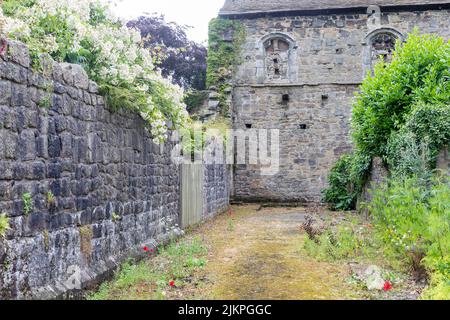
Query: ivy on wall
point(226, 37)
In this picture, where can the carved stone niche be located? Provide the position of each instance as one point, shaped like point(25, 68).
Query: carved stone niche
point(276, 61)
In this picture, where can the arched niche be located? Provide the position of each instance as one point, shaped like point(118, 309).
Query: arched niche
point(380, 44)
point(277, 59)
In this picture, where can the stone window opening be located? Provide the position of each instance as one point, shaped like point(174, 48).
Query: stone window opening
point(379, 45)
point(382, 47)
point(248, 125)
point(303, 126)
point(285, 98)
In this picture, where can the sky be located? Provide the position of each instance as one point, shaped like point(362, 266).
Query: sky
point(194, 13)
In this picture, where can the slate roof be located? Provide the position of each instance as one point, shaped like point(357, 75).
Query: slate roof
point(238, 7)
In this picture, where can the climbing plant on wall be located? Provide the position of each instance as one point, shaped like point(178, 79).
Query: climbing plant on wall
point(226, 37)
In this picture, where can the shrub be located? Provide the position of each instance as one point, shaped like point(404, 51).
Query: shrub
point(406, 156)
point(418, 74)
point(346, 181)
point(413, 218)
point(85, 32)
point(346, 241)
point(401, 114)
point(430, 123)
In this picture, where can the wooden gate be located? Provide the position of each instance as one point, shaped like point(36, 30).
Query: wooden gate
point(191, 194)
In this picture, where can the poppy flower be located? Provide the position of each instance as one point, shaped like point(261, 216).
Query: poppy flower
point(145, 248)
point(387, 286)
point(172, 283)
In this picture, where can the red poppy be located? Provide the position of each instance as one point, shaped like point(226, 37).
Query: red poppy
point(387, 286)
point(145, 248)
point(172, 283)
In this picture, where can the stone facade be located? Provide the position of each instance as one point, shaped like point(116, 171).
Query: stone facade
point(298, 72)
point(99, 187)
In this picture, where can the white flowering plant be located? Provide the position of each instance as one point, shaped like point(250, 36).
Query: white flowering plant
point(87, 33)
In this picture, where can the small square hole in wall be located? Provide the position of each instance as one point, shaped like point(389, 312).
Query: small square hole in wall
point(275, 60)
point(248, 125)
point(285, 98)
point(324, 97)
point(303, 126)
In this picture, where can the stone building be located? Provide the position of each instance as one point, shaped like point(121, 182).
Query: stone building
point(300, 65)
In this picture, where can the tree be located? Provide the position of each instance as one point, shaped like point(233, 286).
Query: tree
point(182, 59)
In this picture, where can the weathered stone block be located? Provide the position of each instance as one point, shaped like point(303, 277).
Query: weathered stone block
point(19, 53)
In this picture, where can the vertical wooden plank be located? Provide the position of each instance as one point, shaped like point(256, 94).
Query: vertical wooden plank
point(191, 194)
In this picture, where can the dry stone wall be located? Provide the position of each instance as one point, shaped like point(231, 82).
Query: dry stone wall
point(98, 187)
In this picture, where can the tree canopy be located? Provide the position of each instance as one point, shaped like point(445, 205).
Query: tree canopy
point(182, 59)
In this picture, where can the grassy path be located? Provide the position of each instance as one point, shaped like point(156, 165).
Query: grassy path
point(249, 254)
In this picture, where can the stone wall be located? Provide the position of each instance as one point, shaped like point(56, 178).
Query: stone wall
point(328, 58)
point(100, 188)
point(216, 189)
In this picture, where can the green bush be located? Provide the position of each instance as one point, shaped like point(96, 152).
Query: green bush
point(194, 99)
point(401, 114)
point(413, 218)
point(346, 180)
point(419, 74)
point(407, 156)
point(430, 123)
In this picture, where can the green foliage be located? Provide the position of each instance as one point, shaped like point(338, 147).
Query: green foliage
point(346, 181)
point(406, 156)
point(223, 55)
point(432, 123)
point(51, 199)
point(418, 74)
point(86, 33)
point(115, 217)
point(401, 114)
point(413, 218)
point(4, 224)
point(27, 203)
point(353, 240)
point(178, 262)
point(194, 99)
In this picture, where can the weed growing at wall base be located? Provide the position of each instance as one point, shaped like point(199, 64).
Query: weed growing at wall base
point(159, 277)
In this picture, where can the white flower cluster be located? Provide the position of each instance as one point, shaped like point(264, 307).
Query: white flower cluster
point(120, 59)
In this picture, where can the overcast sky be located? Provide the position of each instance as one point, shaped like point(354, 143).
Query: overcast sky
point(195, 13)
